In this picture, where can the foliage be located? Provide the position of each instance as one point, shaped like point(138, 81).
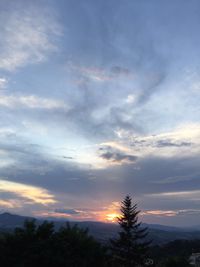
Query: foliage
point(177, 262)
point(42, 246)
point(175, 253)
point(130, 249)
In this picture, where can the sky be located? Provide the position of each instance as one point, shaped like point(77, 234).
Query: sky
point(100, 99)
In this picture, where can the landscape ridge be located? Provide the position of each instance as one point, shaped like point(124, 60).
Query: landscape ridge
point(103, 231)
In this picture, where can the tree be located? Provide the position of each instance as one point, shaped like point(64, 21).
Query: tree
point(75, 247)
point(177, 262)
point(41, 245)
point(130, 249)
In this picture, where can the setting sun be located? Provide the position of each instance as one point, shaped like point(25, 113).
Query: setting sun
point(112, 217)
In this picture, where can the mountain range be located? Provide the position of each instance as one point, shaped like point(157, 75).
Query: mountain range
point(159, 234)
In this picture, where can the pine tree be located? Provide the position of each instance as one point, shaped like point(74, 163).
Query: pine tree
point(130, 248)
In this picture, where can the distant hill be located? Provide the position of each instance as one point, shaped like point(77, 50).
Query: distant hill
point(8, 220)
point(160, 234)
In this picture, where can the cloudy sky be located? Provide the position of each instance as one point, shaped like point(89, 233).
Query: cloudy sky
point(99, 99)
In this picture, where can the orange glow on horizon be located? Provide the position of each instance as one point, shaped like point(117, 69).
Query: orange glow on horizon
point(106, 214)
point(112, 217)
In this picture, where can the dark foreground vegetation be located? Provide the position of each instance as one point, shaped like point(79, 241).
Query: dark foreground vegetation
point(42, 246)
point(174, 254)
point(70, 246)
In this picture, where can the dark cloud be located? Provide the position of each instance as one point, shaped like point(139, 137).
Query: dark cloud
point(179, 179)
point(64, 157)
point(115, 155)
point(189, 212)
point(168, 143)
point(67, 211)
point(118, 157)
point(161, 143)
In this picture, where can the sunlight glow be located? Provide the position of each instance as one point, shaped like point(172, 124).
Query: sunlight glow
point(31, 193)
point(112, 217)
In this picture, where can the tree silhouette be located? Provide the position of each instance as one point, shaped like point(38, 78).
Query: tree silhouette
point(130, 248)
point(75, 247)
point(40, 245)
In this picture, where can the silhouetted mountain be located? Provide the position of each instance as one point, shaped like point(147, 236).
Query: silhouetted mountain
point(8, 220)
point(160, 234)
point(163, 227)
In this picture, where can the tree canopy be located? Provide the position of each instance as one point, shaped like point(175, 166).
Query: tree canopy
point(40, 245)
point(130, 248)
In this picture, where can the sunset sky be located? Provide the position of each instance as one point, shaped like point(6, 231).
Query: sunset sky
point(99, 99)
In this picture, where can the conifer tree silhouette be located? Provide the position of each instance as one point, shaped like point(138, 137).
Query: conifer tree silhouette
point(130, 248)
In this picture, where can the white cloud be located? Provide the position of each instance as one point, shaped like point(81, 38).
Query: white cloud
point(30, 101)
point(32, 194)
point(26, 37)
point(10, 204)
point(3, 82)
point(6, 131)
point(192, 195)
point(130, 99)
point(183, 140)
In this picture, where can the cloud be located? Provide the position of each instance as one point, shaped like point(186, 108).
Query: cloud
point(184, 138)
point(107, 97)
point(115, 145)
point(7, 132)
point(126, 96)
point(29, 193)
point(189, 212)
point(131, 146)
point(27, 36)
point(92, 73)
point(171, 213)
point(118, 70)
point(100, 74)
point(159, 213)
point(116, 153)
point(11, 203)
point(169, 143)
point(130, 98)
point(3, 82)
point(18, 156)
point(112, 182)
point(73, 214)
point(118, 157)
point(189, 195)
point(30, 101)
point(179, 178)
point(106, 213)
point(67, 211)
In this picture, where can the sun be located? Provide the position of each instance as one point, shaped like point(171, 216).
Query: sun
point(112, 217)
